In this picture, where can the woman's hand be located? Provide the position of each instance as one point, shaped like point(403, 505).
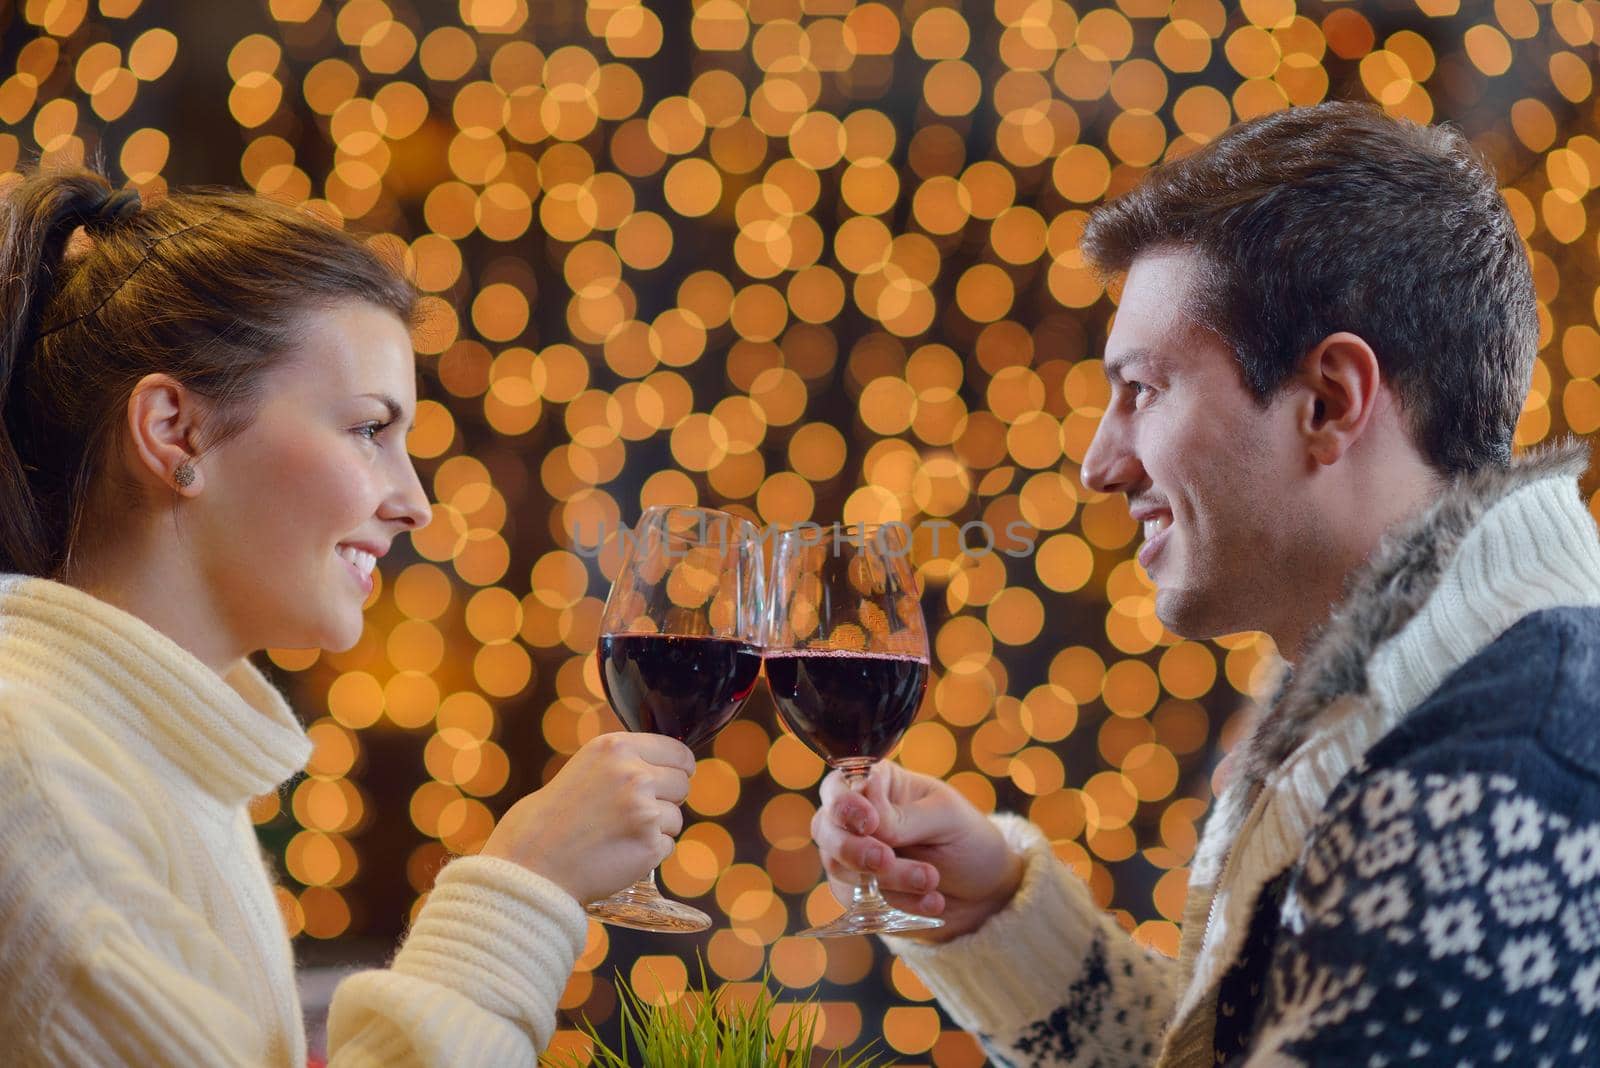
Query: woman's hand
point(932, 851)
point(606, 819)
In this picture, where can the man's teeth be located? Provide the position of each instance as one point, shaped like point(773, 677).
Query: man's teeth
point(363, 561)
point(1155, 526)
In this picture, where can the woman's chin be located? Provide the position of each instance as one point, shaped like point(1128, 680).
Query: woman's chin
point(338, 634)
point(343, 639)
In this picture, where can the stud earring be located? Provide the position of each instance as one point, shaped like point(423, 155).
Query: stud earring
point(184, 474)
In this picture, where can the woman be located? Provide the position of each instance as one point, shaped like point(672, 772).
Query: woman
point(202, 455)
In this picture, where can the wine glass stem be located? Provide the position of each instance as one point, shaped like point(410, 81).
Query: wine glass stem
point(866, 895)
point(647, 885)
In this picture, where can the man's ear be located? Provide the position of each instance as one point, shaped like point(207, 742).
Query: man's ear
point(1341, 386)
point(163, 425)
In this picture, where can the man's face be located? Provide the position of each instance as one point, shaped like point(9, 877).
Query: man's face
point(1216, 481)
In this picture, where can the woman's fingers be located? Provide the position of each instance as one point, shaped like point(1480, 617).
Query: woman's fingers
point(671, 784)
point(671, 820)
point(662, 751)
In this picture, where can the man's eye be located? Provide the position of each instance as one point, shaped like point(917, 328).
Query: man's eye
point(1138, 389)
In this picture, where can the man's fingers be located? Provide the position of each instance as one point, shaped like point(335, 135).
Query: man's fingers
point(833, 785)
point(929, 904)
point(842, 881)
point(907, 876)
point(937, 816)
point(920, 817)
point(826, 833)
point(860, 856)
point(842, 878)
point(861, 810)
point(856, 852)
point(850, 812)
point(851, 853)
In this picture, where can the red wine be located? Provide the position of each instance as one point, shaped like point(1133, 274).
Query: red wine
point(847, 705)
point(686, 688)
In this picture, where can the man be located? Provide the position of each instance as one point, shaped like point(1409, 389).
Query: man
point(1325, 337)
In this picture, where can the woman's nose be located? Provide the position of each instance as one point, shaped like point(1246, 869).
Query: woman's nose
point(410, 505)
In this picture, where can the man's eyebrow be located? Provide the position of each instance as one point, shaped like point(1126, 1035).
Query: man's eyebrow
point(1116, 366)
point(393, 406)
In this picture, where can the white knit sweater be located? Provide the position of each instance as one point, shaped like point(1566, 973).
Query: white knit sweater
point(137, 920)
point(1536, 547)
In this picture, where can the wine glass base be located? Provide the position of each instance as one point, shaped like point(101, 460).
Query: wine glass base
point(648, 912)
point(883, 919)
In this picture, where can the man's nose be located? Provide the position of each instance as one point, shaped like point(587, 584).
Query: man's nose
point(1110, 465)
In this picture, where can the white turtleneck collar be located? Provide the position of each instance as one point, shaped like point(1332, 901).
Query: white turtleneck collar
point(234, 734)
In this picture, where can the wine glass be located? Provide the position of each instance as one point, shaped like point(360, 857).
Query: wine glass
point(847, 659)
point(679, 654)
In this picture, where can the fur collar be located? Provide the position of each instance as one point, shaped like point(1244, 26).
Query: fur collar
point(1382, 598)
point(1343, 697)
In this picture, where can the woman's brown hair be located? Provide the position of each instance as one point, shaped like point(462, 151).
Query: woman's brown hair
point(209, 287)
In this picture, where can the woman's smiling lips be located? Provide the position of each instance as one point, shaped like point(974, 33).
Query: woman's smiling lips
point(359, 561)
point(361, 577)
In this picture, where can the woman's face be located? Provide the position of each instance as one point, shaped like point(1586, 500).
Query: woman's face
point(320, 484)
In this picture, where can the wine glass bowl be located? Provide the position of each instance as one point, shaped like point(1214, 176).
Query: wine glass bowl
point(687, 687)
point(679, 654)
point(846, 652)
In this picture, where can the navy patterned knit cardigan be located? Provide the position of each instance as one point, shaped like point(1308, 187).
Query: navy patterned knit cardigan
point(1447, 908)
point(1403, 862)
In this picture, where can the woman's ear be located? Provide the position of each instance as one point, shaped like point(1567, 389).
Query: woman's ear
point(1341, 377)
point(164, 425)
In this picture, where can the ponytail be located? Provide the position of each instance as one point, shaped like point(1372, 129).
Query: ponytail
point(209, 287)
point(37, 221)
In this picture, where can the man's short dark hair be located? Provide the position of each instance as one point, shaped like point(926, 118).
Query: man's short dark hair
point(1338, 217)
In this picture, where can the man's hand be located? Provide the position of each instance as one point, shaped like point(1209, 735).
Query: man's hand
point(932, 851)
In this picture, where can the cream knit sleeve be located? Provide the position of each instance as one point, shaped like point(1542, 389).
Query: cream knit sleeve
point(124, 1004)
point(475, 984)
point(477, 980)
point(103, 962)
point(1052, 979)
point(99, 962)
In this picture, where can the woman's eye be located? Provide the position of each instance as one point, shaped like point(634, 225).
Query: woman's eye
point(370, 431)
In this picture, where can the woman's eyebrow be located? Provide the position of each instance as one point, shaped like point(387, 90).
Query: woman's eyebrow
point(394, 408)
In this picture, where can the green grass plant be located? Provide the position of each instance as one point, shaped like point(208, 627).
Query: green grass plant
point(708, 1028)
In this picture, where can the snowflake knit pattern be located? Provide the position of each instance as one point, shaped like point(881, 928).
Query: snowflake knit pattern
point(1403, 865)
point(1448, 912)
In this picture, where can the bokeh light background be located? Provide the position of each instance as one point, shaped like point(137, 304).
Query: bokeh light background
point(797, 259)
